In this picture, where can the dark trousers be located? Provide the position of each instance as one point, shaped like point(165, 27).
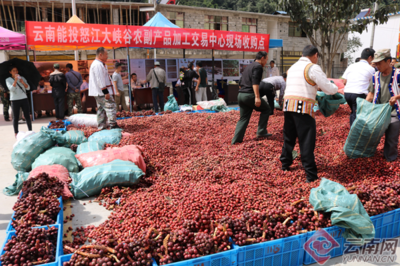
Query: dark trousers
point(301, 126)
point(351, 99)
point(187, 92)
point(16, 107)
point(247, 105)
point(390, 150)
point(60, 107)
point(267, 89)
point(160, 94)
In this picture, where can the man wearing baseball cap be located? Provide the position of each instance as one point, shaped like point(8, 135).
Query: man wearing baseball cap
point(384, 88)
point(58, 84)
point(158, 80)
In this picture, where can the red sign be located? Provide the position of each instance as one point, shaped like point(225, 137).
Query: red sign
point(91, 35)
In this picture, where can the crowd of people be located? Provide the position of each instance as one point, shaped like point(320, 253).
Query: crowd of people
point(373, 77)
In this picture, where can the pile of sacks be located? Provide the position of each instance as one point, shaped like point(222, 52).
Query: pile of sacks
point(85, 172)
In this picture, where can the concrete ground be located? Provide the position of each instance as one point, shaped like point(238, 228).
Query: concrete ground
point(88, 214)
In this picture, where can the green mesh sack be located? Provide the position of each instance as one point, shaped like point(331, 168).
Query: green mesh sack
point(112, 136)
point(89, 147)
point(28, 149)
point(346, 209)
point(328, 104)
point(58, 155)
point(91, 180)
point(171, 104)
point(15, 188)
point(367, 130)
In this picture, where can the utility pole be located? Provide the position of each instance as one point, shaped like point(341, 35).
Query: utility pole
point(371, 44)
point(74, 14)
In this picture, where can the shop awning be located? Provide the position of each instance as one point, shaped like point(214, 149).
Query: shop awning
point(158, 20)
point(10, 40)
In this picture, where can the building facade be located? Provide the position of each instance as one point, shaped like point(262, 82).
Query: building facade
point(15, 12)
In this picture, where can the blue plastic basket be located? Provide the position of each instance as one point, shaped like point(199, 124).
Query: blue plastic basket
point(286, 251)
point(387, 225)
point(59, 248)
point(337, 234)
point(59, 221)
point(226, 258)
point(66, 123)
point(64, 258)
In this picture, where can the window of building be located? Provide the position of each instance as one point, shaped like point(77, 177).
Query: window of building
point(215, 23)
point(249, 25)
point(295, 30)
point(177, 18)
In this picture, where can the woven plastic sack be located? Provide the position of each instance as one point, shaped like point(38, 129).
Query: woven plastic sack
point(112, 136)
point(89, 146)
point(58, 171)
point(346, 209)
point(28, 149)
point(15, 188)
point(328, 104)
point(171, 104)
point(58, 155)
point(367, 130)
point(220, 108)
point(91, 180)
point(65, 138)
point(130, 153)
point(87, 120)
point(22, 135)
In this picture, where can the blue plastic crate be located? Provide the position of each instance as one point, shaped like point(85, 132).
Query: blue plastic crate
point(387, 225)
point(226, 258)
point(59, 248)
point(64, 258)
point(66, 123)
point(285, 251)
point(59, 221)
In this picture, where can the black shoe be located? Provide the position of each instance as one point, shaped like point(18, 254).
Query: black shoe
point(264, 136)
point(7, 119)
point(116, 126)
point(285, 168)
point(310, 181)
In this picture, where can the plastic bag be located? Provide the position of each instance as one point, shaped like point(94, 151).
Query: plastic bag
point(88, 120)
point(22, 135)
point(15, 188)
point(130, 153)
point(346, 209)
point(112, 136)
point(89, 147)
point(185, 108)
point(58, 155)
point(171, 104)
point(58, 171)
point(91, 180)
point(28, 149)
point(328, 104)
point(208, 104)
point(367, 130)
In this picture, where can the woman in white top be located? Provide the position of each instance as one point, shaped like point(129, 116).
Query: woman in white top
point(18, 87)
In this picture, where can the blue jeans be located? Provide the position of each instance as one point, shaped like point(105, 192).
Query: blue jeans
point(155, 92)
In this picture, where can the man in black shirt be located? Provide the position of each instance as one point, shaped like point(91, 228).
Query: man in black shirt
point(190, 74)
point(249, 99)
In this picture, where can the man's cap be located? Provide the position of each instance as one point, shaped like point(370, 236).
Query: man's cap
point(380, 55)
point(56, 65)
point(157, 63)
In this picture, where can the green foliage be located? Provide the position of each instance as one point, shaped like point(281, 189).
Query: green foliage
point(353, 44)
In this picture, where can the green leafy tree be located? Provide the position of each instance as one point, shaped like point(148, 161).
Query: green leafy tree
point(352, 46)
point(328, 22)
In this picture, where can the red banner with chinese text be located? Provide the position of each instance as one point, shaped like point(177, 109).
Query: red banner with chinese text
point(64, 36)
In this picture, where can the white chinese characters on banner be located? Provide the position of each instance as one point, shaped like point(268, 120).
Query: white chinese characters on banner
point(50, 36)
point(62, 34)
point(73, 34)
point(38, 33)
point(85, 35)
point(177, 38)
point(204, 39)
point(167, 38)
point(106, 33)
point(117, 35)
point(148, 37)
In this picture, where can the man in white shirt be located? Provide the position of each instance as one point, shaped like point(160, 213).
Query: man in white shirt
point(356, 80)
point(303, 80)
point(272, 70)
point(102, 90)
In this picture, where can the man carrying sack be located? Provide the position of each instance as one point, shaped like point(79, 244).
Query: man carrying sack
point(303, 80)
point(384, 88)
